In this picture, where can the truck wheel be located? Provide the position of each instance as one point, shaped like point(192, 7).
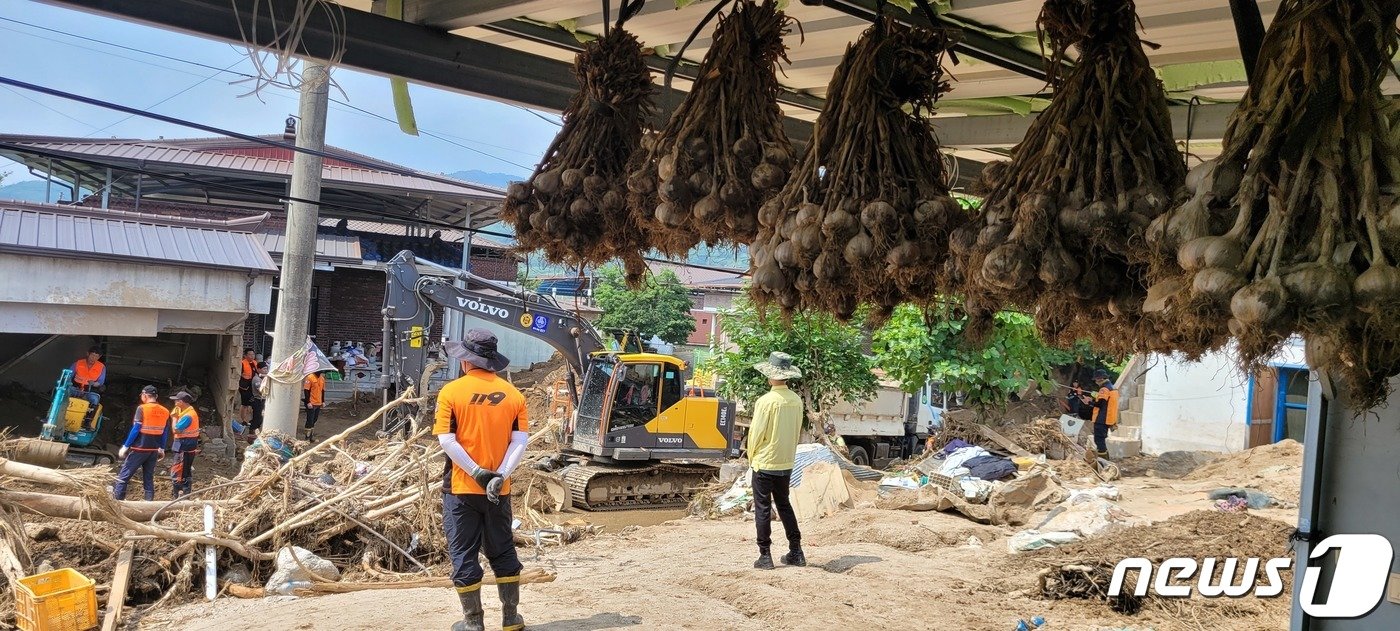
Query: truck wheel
point(859, 456)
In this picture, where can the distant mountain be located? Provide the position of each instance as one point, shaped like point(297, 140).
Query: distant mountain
point(28, 191)
point(498, 180)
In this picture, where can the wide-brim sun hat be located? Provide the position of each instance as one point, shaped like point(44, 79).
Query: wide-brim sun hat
point(478, 349)
point(779, 367)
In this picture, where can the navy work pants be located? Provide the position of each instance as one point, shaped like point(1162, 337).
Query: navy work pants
point(475, 526)
point(146, 462)
point(770, 489)
point(182, 469)
point(1101, 437)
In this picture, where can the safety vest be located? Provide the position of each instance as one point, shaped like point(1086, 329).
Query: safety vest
point(193, 430)
point(154, 416)
point(83, 374)
point(249, 367)
point(1110, 394)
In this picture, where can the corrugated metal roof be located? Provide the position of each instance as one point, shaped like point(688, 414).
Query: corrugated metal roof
point(330, 248)
point(115, 235)
point(149, 152)
point(381, 227)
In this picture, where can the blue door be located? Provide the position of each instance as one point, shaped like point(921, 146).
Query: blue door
point(1291, 415)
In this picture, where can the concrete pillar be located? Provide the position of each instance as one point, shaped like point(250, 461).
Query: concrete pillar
point(299, 255)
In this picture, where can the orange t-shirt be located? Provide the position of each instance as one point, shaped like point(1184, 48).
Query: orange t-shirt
point(315, 386)
point(482, 410)
point(249, 367)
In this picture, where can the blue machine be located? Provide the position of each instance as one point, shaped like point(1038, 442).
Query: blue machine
point(62, 437)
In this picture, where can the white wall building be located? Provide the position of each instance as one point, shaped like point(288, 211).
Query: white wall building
point(1211, 405)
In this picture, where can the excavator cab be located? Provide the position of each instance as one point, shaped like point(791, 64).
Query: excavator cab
point(635, 406)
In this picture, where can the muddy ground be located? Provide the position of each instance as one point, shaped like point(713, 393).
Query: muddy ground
point(869, 569)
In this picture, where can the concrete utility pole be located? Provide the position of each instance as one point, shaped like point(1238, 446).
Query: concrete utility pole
point(299, 255)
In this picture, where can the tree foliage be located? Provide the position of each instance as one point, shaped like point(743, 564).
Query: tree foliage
point(834, 368)
point(661, 307)
point(914, 348)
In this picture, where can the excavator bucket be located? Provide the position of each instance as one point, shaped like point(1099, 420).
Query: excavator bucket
point(44, 453)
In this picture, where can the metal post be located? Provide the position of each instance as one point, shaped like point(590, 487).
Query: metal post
point(456, 320)
point(1310, 498)
point(299, 255)
point(107, 188)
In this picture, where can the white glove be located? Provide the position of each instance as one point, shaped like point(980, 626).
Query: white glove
point(493, 489)
point(121, 453)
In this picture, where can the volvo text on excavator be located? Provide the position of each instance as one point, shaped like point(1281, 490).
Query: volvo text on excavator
point(638, 436)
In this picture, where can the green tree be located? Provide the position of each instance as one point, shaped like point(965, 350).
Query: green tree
point(661, 307)
point(834, 368)
point(914, 348)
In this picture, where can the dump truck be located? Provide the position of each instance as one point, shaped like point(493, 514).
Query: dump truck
point(890, 426)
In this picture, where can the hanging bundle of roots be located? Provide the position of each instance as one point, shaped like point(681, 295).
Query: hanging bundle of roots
point(1296, 226)
point(723, 153)
point(574, 207)
point(866, 213)
point(1062, 220)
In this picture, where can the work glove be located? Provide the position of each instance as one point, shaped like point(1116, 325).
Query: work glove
point(493, 489)
point(160, 453)
point(485, 477)
point(121, 453)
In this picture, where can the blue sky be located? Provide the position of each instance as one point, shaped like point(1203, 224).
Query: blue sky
point(501, 134)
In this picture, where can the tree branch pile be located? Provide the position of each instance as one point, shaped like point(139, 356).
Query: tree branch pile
point(724, 151)
point(1063, 219)
point(866, 213)
point(574, 207)
point(1296, 226)
point(371, 507)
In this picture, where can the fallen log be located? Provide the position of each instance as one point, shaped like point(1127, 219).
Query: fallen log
point(35, 473)
point(532, 575)
point(72, 507)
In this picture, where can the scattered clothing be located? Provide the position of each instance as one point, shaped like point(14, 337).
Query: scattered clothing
point(954, 445)
point(990, 468)
point(958, 459)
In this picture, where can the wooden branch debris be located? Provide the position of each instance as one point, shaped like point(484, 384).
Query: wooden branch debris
point(121, 578)
point(78, 507)
point(1005, 442)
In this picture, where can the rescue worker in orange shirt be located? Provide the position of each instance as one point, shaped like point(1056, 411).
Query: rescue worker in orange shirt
point(185, 420)
point(313, 396)
point(247, 368)
point(89, 379)
point(144, 446)
point(1105, 404)
point(482, 425)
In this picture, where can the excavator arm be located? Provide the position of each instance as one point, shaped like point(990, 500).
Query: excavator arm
point(408, 317)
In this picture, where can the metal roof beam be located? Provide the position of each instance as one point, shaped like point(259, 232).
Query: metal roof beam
point(981, 132)
point(454, 14)
point(974, 44)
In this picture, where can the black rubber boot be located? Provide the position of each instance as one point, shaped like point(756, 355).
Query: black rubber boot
point(764, 562)
point(795, 558)
point(511, 620)
point(473, 618)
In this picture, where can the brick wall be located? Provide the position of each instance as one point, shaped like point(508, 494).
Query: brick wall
point(347, 302)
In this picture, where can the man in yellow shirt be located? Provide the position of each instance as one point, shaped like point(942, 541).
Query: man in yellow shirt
point(482, 425)
point(772, 447)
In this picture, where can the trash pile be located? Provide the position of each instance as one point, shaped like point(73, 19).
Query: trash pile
point(820, 486)
point(369, 510)
point(1086, 513)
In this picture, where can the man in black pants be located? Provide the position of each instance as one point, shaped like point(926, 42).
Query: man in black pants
point(772, 447)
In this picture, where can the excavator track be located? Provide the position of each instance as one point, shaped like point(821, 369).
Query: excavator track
point(603, 487)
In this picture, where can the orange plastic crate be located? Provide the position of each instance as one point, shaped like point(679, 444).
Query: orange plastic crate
point(61, 600)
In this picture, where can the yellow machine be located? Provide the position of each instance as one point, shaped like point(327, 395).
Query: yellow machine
point(638, 435)
point(63, 437)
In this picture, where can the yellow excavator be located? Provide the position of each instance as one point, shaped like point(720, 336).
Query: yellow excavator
point(638, 435)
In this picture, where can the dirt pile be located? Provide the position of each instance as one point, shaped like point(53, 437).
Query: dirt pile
point(538, 373)
point(1083, 570)
point(1275, 469)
